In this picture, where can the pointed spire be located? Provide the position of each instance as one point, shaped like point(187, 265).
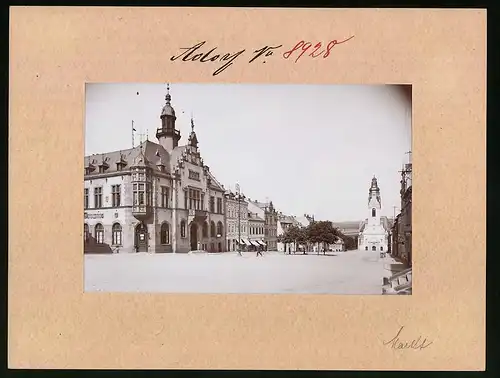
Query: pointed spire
point(167, 96)
point(193, 140)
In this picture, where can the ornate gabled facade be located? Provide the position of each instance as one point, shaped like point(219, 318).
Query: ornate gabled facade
point(155, 197)
point(373, 232)
point(268, 213)
point(236, 208)
point(284, 223)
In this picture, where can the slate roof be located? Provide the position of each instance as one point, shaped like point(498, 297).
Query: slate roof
point(255, 217)
point(285, 218)
point(153, 153)
point(347, 225)
point(362, 225)
point(384, 221)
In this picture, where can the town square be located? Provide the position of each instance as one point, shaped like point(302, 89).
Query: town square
point(159, 218)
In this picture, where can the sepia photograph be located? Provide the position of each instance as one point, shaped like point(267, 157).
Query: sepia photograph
point(248, 188)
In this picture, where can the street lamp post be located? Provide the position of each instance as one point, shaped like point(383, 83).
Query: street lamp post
point(239, 218)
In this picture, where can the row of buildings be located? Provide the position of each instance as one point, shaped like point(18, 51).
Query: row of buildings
point(162, 197)
point(401, 231)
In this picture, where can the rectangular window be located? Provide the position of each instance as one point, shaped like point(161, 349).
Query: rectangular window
point(164, 196)
point(115, 195)
point(212, 204)
point(219, 205)
point(142, 194)
point(116, 236)
point(194, 199)
point(202, 201)
point(86, 198)
point(98, 197)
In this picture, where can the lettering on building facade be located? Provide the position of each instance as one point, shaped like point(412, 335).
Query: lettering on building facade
point(93, 216)
point(194, 175)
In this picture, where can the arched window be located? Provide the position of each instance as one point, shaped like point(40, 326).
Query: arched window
point(165, 234)
point(116, 234)
point(220, 229)
point(183, 228)
point(99, 233)
point(212, 229)
point(205, 230)
point(86, 233)
point(374, 212)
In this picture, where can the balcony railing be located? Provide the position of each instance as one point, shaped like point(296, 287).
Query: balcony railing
point(174, 132)
point(141, 211)
point(194, 214)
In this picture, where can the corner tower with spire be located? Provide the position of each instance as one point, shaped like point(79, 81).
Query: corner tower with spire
point(168, 136)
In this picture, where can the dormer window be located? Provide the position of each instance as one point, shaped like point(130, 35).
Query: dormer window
point(89, 168)
point(103, 166)
point(161, 166)
point(120, 166)
point(121, 163)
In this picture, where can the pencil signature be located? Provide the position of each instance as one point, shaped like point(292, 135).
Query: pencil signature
point(397, 343)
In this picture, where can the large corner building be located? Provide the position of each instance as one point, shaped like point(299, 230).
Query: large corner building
point(155, 197)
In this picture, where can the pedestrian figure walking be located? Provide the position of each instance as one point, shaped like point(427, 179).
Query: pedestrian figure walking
point(259, 252)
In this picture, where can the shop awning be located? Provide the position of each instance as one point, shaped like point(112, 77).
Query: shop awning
point(262, 242)
point(254, 243)
point(241, 241)
point(247, 242)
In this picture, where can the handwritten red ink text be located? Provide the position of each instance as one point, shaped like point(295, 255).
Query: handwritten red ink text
point(304, 46)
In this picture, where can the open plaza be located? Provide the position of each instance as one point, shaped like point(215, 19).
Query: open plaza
point(351, 272)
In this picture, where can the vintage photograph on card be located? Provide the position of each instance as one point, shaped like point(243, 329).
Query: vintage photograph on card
point(239, 188)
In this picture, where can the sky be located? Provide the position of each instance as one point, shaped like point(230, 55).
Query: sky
point(311, 149)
